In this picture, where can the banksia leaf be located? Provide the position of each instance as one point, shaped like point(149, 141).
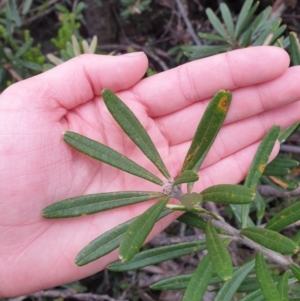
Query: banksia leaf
point(244, 15)
point(228, 194)
point(271, 240)
point(207, 130)
point(218, 252)
point(190, 200)
point(188, 176)
point(283, 286)
point(216, 23)
point(294, 48)
point(286, 133)
point(107, 242)
point(157, 255)
point(200, 280)
point(134, 129)
point(228, 290)
point(139, 229)
point(295, 270)
point(211, 37)
point(92, 203)
point(258, 166)
point(109, 156)
point(265, 280)
point(226, 15)
point(284, 218)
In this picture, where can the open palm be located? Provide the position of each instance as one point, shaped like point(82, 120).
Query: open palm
point(38, 168)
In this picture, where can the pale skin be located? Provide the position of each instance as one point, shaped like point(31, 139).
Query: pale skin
point(38, 168)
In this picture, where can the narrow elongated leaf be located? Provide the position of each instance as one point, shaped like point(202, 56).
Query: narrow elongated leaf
point(216, 23)
point(188, 176)
point(218, 253)
point(284, 218)
point(195, 209)
point(200, 280)
point(265, 280)
point(24, 48)
point(276, 171)
point(157, 255)
point(228, 194)
point(258, 166)
point(198, 52)
point(193, 220)
point(295, 270)
point(211, 37)
point(283, 286)
point(229, 289)
point(283, 162)
point(226, 15)
point(294, 48)
point(286, 133)
point(260, 205)
point(243, 16)
point(107, 242)
point(271, 240)
point(139, 229)
point(109, 156)
point(92, 203)
point(296, 238)
point(134, 129)
point(207, 130)
point(26, 6)
point(191, 200)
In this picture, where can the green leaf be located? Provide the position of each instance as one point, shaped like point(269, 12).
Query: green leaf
point(31, 65)
point(283, 286)
point(26, 7)
point(284, 134)
point(218, 253)
point(258, 166)
point(190, 200)
point(192, 209)
point(269, 29)
point(188, 176)
point(216, 23)
point(228, 194)
point(139, 230)
point(157, 255)
point(211, 37)
point(284, 218)
point(109, 156)
point(283, 162)
point(229, 289)
point(24, 48)
point(92, 203)
point(244, 15)
point(294, 48)
point(107, 242)
point(295, 270)
point(198, 52)
point(276, 171)
point(200, 280)
point(193, 220)
point(296, 238)
point(134, 129)
point(271, 240)
point(207, 130)
point(260, 205)
point(226, 15)
point(265, 280)
point(11, 11)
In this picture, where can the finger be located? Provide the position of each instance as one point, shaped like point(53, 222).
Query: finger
point(172, 90)
point(236, 136)
point(246, 102)
point(78, 80)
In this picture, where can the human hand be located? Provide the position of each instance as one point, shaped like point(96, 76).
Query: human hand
point(38, 168)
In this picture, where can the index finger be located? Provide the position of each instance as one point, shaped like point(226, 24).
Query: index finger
point(177, 88)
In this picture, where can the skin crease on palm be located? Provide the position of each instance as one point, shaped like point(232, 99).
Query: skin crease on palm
point(38, 168)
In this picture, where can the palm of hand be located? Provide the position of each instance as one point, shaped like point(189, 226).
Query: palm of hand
point(39, 169)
